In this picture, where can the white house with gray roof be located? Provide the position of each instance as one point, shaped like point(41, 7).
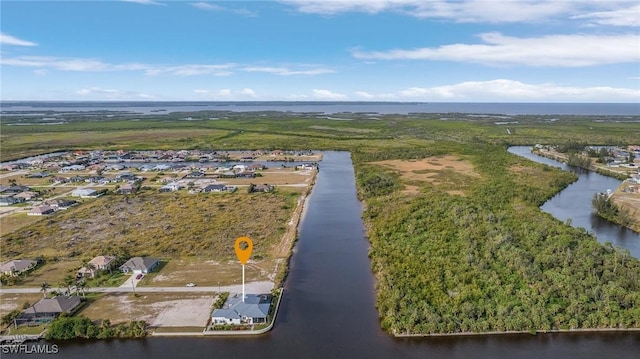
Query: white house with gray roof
point(253, 310)
point(138, 265)
point(17, 266)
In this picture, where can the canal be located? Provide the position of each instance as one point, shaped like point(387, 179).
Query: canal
point(573, 204)
point(328, 310)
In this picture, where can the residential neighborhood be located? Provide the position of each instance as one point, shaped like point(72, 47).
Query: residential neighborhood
point(47, 187)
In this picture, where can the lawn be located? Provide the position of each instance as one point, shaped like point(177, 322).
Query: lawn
point(52, 272)
point(208, 273)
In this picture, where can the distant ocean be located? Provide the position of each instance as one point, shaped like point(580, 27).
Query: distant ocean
point(9, 108)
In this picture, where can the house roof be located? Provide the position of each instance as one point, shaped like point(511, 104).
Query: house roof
point(254, 306)
point(225, 313)
point(140, 263)
point(102, 260)
point(59, 304)
point(42, 209)
point(17, 265)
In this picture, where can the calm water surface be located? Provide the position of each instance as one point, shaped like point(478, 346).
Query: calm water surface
point(328, 309)
point(574, 203)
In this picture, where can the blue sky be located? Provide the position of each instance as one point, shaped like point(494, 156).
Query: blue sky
point(321, 50)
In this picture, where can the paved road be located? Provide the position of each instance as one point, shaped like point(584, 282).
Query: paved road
point(253, 287)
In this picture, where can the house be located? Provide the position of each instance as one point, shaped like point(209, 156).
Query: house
point(195, 175)
point(48, 309)
point(170, 187)
point(17, 266)
point(61, 203)
point(137, 265)
point(9, 200)
point(253, 310)
point(97, 263)
point(41, 211)
point(262, 188)
point(16, 189)
point(72, 168)
point(256, 167)
point(126, 188)
point(214, 188)
point(84, 193)
point(27, 195)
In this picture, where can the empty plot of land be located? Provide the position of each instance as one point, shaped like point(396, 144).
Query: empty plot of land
point(161, 309)
point(207, 273)
point(451, 172)
point(182, 313)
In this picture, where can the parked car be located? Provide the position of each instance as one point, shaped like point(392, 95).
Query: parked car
point(139, 276)
point(191, 284)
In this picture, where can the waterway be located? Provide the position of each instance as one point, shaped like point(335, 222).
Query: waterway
point(573, 204)
point(328, 309)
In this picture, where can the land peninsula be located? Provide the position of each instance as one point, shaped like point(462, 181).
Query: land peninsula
point(458, 243)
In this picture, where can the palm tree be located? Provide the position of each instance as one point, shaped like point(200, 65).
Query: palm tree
point(90, 267)
point(68, 281)
point(43, 288)
point(82, 285)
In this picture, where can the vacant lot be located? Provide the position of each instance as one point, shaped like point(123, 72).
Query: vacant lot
point(157, 224)
point(157, 309)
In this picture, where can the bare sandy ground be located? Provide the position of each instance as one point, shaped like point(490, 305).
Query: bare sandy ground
point(183, 313)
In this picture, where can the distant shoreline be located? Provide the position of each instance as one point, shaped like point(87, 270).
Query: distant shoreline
point(508, 332)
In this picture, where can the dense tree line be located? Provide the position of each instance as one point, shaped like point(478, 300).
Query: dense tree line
point(491, 260)
point(64, 328)
point(605, 207)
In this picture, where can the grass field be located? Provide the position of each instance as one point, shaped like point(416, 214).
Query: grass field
point(10, 301)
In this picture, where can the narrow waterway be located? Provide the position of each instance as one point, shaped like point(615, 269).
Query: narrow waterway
point(574, 203)
point(328, 310)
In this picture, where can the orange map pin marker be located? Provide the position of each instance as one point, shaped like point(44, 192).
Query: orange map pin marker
point(243, 254)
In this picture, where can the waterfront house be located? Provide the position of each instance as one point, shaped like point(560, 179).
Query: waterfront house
point(138, 265)
point(253, 310)
point(17, 266)
point(48, 309)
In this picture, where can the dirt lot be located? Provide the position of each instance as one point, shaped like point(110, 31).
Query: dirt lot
point(437, 171)
point(158, 309)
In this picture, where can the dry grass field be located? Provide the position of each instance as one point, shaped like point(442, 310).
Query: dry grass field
point(451, 173)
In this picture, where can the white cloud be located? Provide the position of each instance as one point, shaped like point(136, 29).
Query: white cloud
point(95, 65)
point(98, 93)
point(627, 16)
point(214, 7)
point(510, 11)
point(327, 95)
point(284, 71)
point(10, 40)
point(249, 92)
point(207, 6)
point(144, 2)
point(226, 94)
point(552, 50)
point(510, 90)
